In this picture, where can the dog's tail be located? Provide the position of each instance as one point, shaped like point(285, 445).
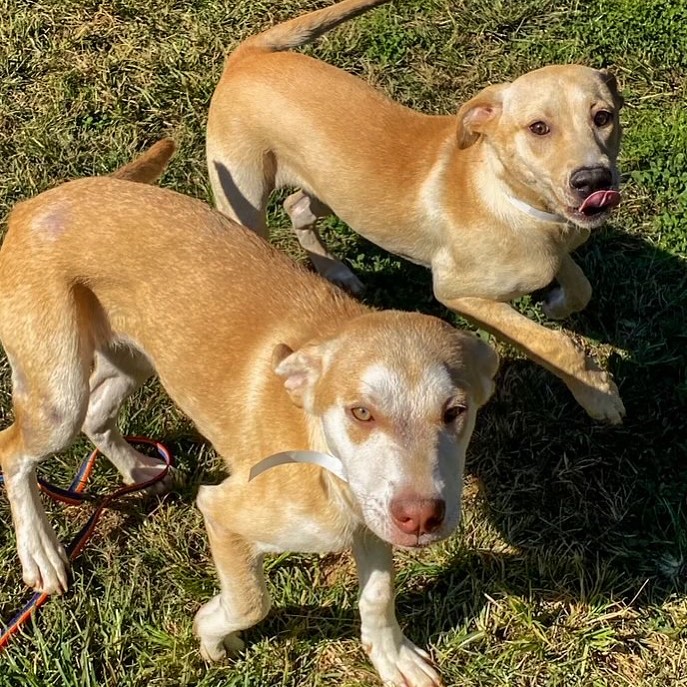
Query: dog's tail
point(149, 166)
point(306, 28)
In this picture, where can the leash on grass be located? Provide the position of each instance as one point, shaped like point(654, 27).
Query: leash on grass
point(75, 496)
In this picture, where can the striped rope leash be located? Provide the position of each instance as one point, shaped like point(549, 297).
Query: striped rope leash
point(76, 495)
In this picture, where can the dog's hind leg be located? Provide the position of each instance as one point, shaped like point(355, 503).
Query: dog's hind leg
point(118, 371)
point(304, 211)
point(397, 660)
point(50, 362)
point(243, 600)
point(241, 182)
point(43, 558)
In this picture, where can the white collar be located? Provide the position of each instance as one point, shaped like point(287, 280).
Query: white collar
point(533, 212)
point(324, 460)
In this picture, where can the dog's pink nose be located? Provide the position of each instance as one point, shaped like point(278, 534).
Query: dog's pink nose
point(418, 516)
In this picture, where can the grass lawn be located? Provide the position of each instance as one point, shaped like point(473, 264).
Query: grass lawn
point(570, 566)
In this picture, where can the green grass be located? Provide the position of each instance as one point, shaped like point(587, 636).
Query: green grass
point(570, 567)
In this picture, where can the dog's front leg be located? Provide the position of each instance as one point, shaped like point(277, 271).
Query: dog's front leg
point(397, 660)
point(591, 386)
point(243, 600)
point(572, 293)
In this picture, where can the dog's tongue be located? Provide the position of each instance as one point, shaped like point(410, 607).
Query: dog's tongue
point(600, 200)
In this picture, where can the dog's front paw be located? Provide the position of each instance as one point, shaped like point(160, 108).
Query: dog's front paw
point(43, 559)
point(598, 395)
point(210, 627)
point(401, 664)
point(216, 650)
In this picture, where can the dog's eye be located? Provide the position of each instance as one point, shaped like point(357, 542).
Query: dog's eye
point(603, 118)
point(452, 413)
point(540, 128)
point(361, 414)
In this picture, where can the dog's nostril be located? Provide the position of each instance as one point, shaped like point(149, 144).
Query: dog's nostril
point(417, 515)
point(589, 179)
point(434, 521)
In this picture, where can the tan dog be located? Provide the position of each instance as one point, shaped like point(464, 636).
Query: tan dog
point(493, 200)
point(105, 282)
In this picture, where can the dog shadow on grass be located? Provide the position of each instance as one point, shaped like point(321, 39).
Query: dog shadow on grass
point(586, 512)
point(553, 479)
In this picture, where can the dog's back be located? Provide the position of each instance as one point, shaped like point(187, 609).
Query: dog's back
point(119, 260)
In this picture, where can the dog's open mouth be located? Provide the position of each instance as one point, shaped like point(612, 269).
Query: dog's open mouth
point(595, 208)
point(598, 202)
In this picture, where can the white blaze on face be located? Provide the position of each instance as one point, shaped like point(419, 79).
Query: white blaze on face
point(406, 450)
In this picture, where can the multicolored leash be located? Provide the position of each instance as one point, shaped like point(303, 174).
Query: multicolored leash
point(74, 496)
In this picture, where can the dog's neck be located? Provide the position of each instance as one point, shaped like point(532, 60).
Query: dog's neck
point(540, 215)
point(324, 460)
point(317, 453)
point(498, 195)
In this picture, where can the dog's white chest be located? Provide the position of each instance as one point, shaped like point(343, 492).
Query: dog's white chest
point(498, 270)
point(308, 537)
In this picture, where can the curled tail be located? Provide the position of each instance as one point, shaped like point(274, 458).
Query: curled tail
point(306, 28)
point(150, 165)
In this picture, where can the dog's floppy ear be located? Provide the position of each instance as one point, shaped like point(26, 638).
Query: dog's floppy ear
point(609, 79)
point(300, 371)
point(483, 363)
point(480, 114)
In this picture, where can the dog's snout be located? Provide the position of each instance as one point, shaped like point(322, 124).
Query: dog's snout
point(586, 180)
point(418, 516)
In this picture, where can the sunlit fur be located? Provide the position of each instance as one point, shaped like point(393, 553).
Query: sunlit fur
point(433, 189)
point(105, 282)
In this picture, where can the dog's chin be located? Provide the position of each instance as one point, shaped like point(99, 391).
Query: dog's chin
point(586, 221)
point(392, 535)
point(421, 542)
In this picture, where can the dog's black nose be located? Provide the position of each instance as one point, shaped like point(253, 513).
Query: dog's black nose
point(586, 180)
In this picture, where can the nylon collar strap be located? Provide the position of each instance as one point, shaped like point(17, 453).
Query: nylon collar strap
point(533, 212)
point(324, 460)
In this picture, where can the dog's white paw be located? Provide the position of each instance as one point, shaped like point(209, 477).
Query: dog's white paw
point(43, 559)
point(599, 396)
point(217, 650)
point(147, 468)
point(210, 626)
point(400, 663)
